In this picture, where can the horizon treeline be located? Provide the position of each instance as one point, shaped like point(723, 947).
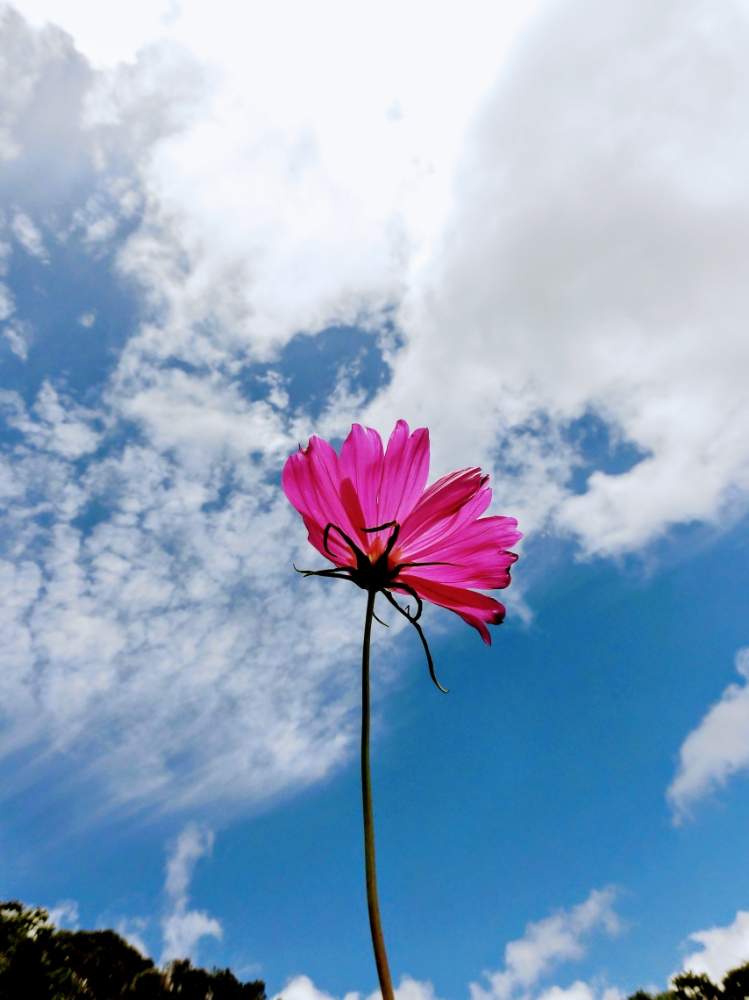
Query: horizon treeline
point(41, 962)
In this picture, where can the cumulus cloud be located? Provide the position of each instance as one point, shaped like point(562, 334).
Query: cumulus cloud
point(302, 988)
point(580, 990)
point(721, 948)
point(717, 748)
point(591, 264)
point(561, 937)
point(182, 928)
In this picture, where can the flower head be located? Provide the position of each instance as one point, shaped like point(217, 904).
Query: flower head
point(370, 512)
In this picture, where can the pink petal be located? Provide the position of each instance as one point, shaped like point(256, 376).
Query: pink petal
point(492, 572)
point(405, 472)
point(440, 502)
point(310, 480)
point(457, 541)
point(361, 464)
point(475, 609)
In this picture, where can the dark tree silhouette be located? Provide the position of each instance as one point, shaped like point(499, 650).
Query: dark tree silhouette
point(698, 986)
point(40, 962)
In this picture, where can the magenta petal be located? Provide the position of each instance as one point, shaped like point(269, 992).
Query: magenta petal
point(310, 480)
point(477, 610)
point(405, 472)
point(440, 502)
point(361, 463)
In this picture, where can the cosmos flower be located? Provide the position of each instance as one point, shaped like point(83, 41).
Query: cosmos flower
point(371, 514)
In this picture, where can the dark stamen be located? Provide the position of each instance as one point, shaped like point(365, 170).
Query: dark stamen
point(419, 603)
point(352, 545)
point(336, 574)
point(424, 643)
point(393, 538)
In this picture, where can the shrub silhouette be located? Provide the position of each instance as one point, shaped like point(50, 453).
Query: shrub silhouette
point(698, 986)
point(40, 962)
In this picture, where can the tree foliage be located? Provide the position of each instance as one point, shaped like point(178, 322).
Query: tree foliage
point(38, 960)
point(698, 986)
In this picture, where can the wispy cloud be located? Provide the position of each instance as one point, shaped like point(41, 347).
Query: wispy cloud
point(561, 937)
point(717, 748)
point(29, 236)
point(133, 929)
point(65, 914)
point(182, 927)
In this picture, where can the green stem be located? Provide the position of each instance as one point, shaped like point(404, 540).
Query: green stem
point(378, 942)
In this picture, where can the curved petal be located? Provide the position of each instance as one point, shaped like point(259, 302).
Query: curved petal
point(484, 571)
point(477, 610)
point(459, 541)
point(440, 502)
point(311, 481)
point(405, 472)
point(361, 463)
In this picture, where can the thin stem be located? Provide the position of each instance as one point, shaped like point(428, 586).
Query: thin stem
point(378, 942)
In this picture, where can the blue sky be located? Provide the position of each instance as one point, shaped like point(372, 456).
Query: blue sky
point(217, 239)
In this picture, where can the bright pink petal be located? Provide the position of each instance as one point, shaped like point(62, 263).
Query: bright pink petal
point(492, 572)
point(405, 472)
point(439, 503)
point(310, 480)
point(459, 541)
point(477, 610)
point(361, 464)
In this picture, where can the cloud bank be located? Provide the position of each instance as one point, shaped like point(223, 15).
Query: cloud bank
point(532, 249)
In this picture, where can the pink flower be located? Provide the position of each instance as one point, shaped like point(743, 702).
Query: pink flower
point(369, 513)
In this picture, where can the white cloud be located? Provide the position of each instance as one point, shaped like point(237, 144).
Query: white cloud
point(193, 843)
point(7, 306)
point(721, 948)
point(28, 235)
point(17, 336)
point(561, 937)
point(132, 930)
point(592, 264)
point(335, 203)
point(182, 928)
point(168, 626)
point(56, 424)
point(65, 914)
point(302, 988)
point(717, 748)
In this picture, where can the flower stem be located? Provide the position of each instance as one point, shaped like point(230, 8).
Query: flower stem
point(378, 942)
